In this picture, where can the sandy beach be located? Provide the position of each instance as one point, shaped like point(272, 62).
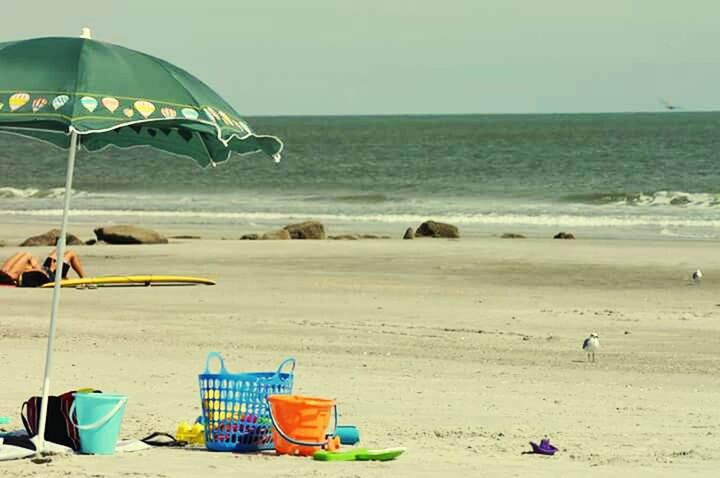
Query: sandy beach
point(460, 350)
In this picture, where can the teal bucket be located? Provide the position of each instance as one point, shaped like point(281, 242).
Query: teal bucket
point(99, 416)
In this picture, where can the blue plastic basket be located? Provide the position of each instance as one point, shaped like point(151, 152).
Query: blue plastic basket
point(235, 409)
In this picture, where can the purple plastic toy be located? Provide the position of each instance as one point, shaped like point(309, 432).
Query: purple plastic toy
point(544, 448)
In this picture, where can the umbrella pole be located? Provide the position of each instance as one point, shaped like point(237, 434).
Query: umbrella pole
point(60, 252)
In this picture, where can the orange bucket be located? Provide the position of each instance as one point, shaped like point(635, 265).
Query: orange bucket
point(300, 424)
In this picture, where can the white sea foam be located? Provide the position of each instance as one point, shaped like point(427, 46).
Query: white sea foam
point(26, 193)
point(559, 220)
point(672, 198)
point(8, 192)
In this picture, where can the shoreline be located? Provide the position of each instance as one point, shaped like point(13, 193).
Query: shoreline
point(15, 229)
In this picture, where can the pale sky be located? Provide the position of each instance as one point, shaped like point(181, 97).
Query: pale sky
point(314, 57)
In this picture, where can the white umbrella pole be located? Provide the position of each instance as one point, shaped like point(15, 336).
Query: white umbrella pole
point(60, 251)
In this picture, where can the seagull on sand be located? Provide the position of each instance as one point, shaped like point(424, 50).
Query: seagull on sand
point(591, 345)
point(696, 276)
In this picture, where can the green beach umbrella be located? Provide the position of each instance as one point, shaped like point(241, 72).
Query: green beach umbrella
point(78, 93)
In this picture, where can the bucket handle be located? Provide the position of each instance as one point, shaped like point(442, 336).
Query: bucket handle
point(100, 422)
point(224, 371)
point(305, 443)
point(289, 360)
point(212, 355)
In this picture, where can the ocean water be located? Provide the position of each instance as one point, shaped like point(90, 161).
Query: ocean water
point(598, 175)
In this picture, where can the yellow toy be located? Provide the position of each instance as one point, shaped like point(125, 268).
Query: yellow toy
point(193, 435)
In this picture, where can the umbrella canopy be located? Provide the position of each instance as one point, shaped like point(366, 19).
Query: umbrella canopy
point(77, 92)
point(111, 95)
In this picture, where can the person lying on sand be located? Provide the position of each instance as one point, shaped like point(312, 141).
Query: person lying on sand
point(24, 270)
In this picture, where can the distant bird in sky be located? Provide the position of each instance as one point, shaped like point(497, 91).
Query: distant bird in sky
point(591, 345)
point(669, 106)
point(696, 276)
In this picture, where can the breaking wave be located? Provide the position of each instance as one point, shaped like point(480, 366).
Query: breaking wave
point(27, 193)
point(658, 198)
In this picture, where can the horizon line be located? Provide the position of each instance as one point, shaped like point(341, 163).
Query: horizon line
point(345, 115)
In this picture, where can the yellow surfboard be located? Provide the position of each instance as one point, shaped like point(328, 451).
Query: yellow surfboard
point(146, 280)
